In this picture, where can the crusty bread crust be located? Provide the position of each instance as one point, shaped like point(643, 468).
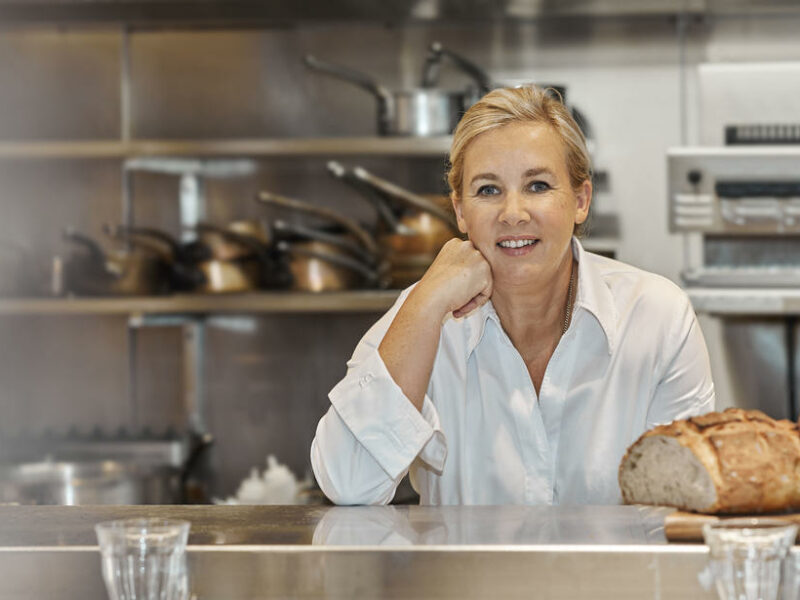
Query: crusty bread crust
point(752, 459)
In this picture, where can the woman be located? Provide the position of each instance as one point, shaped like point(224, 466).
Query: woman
point(520, 367)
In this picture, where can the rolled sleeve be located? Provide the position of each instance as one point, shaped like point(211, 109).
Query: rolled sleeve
point(385, 422)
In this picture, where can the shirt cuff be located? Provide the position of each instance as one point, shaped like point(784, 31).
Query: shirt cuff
point(385, 421)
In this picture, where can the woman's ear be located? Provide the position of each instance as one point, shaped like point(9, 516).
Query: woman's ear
point(457, 206)
point(583, 197)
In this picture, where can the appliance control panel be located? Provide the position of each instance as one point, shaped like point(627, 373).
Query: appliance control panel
point(747, 190)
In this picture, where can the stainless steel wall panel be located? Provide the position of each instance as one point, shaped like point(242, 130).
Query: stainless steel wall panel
point(39, 198)
point(59, 84)
point(62, 373)
point(755, 350)
point(222, 84)
point(267, 383)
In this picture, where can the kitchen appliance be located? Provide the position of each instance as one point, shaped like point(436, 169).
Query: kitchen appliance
point(738, 210)
point(423, 111)
point(100, 469)
point(735, 200)
point(89, 482)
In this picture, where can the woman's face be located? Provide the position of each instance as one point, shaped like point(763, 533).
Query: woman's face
point(517, 204)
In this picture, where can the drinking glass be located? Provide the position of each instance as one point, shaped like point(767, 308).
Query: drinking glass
point(144, 559)
point(747, 556)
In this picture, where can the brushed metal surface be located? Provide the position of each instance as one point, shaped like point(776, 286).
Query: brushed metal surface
point(383, 552)
point(353, 526)
point(258, 572)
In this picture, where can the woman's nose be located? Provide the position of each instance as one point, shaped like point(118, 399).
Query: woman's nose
point(513, 211)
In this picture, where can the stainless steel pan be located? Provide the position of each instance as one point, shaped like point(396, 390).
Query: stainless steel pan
point(89, 482)
point(423, 112)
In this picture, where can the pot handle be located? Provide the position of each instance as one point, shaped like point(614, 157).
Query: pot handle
point(184, 275)
point(96, 254)
point(370, 275)
point(403, 195)
point(138, 240)
point(310, 233)
point(351, 225)
point(250, 242)
point(384, 96)
point(431, 75)
point(384, 210)
point(128, 231)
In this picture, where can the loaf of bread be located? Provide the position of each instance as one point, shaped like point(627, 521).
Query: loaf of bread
point(737, 461)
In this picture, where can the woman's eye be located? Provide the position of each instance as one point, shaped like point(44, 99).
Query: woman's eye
point(539, 186)
point(488, 190)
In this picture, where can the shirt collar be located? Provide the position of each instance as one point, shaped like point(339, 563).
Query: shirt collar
point(593, 295)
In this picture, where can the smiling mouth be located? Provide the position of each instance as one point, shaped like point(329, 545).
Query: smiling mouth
point(517, 243)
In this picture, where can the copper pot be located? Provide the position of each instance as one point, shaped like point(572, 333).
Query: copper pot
point(227, 247)
point(249, 266)
point(318, 266)
point(410, 237)
point(322, 260)
point(350, 226)
point(140, 271)
point(219, 261)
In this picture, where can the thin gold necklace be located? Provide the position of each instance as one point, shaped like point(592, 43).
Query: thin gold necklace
point(570, 290)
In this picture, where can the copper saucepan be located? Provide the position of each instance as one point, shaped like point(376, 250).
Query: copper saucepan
point(141, 271)
point(251, 266)
point(322, 260)
point(319, 266)
point(351, 226)
point(219, 261)
point(412, 228)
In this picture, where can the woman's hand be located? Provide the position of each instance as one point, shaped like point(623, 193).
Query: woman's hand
point(459, 280)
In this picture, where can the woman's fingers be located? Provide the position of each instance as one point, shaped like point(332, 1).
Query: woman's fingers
point(476, 302)
point(458, 275)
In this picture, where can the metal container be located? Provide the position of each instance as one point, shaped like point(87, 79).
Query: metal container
point(90, 482)
point(423, 111)
point(94, 272)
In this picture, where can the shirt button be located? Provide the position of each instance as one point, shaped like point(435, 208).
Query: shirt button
point(365, 379)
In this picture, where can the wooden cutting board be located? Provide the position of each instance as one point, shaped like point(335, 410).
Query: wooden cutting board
point(688, 527)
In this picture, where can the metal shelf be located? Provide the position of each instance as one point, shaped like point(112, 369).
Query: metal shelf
point(362, 301)
point(86, 149)
point(745, 301)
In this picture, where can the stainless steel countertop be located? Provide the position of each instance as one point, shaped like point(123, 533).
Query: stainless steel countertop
point(402, 526)
point(252, 552)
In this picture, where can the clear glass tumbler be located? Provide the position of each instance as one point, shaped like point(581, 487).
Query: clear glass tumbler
point(747, 556)
point(144, 559)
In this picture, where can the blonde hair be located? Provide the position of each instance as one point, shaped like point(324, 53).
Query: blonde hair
point(525, 104)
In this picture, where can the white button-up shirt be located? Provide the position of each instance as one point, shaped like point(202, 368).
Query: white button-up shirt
point(633, 357)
